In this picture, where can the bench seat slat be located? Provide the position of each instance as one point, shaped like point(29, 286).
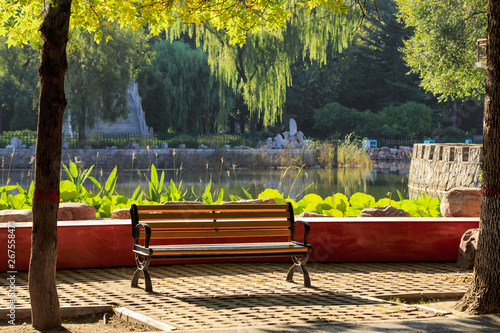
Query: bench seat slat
point(208, 208)
point(218, 233)
point(218, 224)
point(227, 249)
point(210, 216)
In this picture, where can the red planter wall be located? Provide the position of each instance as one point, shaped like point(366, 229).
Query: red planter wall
point(109, 243)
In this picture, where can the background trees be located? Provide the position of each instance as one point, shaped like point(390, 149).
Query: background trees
point(289, 74)
point(99, 74)
point(178, 94)
point(442, 50)
point(18, 86)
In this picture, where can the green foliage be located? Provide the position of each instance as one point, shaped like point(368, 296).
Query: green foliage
point(369, 75)
point(334, 118)
point(18, 84)
point(409, 120)
point(72, 189)
point(259, 70)
point(98, 76)
point(106, 200)
point(177, 91)
point(443, 48)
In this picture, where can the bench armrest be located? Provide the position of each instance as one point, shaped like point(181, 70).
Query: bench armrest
point(307, 230)
point(137, 232)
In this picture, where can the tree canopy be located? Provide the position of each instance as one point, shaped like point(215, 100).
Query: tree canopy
point(260, 69)
point(443, 48)
point(177, 91)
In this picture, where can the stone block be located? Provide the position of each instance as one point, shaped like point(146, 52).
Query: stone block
point(461, 202)
point(467, 249)
point(386, 211)
point(311, 214)
point(293, 127)
point(75, 211)
point(121, 214)
point(16, 215)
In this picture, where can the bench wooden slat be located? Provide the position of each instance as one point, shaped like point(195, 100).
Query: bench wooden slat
point(211, 216)
point(218, 224)
point(208, 208)
point(218, 233)
point(228, 249)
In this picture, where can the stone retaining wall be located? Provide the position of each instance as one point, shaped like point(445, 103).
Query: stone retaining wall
point(167, 158)
point(436, 168)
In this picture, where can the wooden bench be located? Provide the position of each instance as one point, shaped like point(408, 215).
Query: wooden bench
point(216, 231)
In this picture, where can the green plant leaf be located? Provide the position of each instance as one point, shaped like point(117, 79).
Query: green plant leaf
point(31, 189)
point(247, 194)
point(235, 198)
point(220, 198)
point(21, 190)
point(160, 185)
point(111, 182)
point(4, 204)
point(73, 169)
point(361, 200)
point(67, 191)
point(68, 173)
point(401, 198)
point(312, 203)
point(207, 195)
point(333, 212)
point(136, 192)
point(154, 178)
point(352, 212)
point(8, 188)
point(86, 174)
point(272, 194)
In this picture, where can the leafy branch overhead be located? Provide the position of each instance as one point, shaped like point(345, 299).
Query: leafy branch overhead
point(20, 20)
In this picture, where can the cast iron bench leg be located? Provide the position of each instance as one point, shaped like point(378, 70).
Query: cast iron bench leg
point(299, 262)
point(142, 269)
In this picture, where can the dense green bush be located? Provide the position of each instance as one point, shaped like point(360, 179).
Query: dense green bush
point(409, 120)
point(334, 118)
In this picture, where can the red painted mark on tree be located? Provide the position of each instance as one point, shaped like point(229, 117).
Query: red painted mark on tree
point(52, 196)
point(490, 191)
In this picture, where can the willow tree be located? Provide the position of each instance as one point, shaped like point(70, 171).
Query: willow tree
point(177, 91)
point(46, 25)
point(260, 69)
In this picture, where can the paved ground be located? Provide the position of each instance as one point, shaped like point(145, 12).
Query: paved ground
point(226, 297)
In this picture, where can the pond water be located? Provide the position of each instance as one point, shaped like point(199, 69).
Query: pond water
point(380, 183)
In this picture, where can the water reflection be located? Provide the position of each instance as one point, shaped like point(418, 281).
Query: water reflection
point(381, 182)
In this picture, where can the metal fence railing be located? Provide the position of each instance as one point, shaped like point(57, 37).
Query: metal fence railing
point(174, 140)
point(125, 140)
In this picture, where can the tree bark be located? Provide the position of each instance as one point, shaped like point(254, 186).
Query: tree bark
point(52, 103)
point(483, 296)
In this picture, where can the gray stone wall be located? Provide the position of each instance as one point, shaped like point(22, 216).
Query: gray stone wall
point(436, 168)
point(142, 158)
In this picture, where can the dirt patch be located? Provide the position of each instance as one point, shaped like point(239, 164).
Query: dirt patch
point(84, 324)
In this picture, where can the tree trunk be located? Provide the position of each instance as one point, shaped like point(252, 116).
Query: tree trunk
point(42, 271)
point(483, 295)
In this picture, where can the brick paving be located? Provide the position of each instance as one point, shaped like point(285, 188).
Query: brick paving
point(226, 295)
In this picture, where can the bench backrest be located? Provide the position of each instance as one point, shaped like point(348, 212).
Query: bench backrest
point(214, 221)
